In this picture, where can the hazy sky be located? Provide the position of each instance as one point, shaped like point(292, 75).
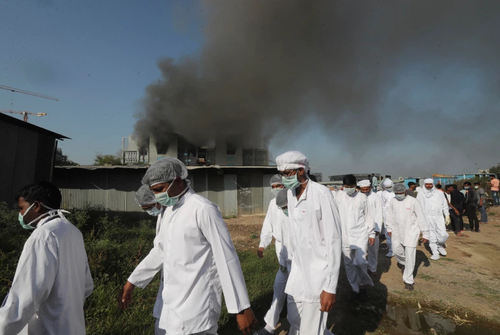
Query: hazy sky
point(405, 88)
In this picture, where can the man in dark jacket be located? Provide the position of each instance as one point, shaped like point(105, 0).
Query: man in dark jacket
point(457, 205)
point(471, 206)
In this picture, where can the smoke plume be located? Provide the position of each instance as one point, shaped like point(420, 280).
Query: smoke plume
point(375, 74)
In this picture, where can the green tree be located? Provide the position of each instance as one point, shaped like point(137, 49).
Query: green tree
point(101, 159)
point(495, 169)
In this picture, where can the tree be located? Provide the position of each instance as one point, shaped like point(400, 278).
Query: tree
point(495, 169)
point(101, 159)
point(62, 160)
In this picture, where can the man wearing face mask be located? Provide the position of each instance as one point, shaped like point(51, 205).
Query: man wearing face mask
point(387, 195)
point(435, 208)
point(147, 200)
point(481, 202)
point(315, 239)
point(276, 225)
point(470, 207)
point(358, 231)
point(52, 278)
point(405, 222)
point(198, 258)
point(375, 210)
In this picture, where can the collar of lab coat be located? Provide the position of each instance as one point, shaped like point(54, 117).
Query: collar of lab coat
point(183, 199)
point(303, 197)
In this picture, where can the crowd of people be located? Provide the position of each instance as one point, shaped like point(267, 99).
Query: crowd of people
point(314, 229)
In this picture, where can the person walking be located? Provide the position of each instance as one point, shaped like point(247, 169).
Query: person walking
point(495, 184)
point(470, 207)
point(481, 202)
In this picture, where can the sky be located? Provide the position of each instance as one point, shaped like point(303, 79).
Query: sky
point(401, 90)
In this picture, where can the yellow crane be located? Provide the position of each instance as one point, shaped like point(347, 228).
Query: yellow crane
point(23, 113)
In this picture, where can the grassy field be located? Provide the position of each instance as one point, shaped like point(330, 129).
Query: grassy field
point(115, 245)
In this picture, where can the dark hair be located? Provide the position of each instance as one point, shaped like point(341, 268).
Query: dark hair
point(454, 186)
point(41, 191)
point(467, 183)
point(477, 183)
point(349, 179)
point(447, 186)
point(313, 178)
point(439, 186)
point(410, 184)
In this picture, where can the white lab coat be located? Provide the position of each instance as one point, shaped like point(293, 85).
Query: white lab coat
point(51, 282)
point(276, 225)
point(159, 299)
point(435, 207)
point(199, 261)
point(357, 224)
point(386, 199)
point(375, 210)
point(316, 241)
point(405, 219)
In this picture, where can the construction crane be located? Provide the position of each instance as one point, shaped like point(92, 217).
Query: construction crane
point(24, 113)
point(17, 90)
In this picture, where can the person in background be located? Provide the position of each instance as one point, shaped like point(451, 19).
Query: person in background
point(276, 225)
point(52, 278)
point(411, 189)
point(198, 258)
point(358, 231)
point(147, 200)
point(470, 207)
point(481, 202)
point(405, 222)
point(495, 184)
point(457, 203)
point(387, 195)
point(316, 244)
point(375, 210)
point(435, 208)
point(439, 187)
point(374, 181)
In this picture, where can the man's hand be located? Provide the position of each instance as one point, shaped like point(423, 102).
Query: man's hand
point(260, 252)
point(246, 321)
point(448, 220)
point(389, 233)
point(125, 296)
point(456, 212)
point(371, 241)
point(424, 240)
point(327, 301)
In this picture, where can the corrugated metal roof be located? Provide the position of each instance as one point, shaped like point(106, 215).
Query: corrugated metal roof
point(31, 126)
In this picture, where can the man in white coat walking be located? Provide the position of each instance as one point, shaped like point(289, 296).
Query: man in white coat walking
point(358, 231)
point(316, 249)
point(198, 258)
point(52, 278)
point(387, 195)
point(405, 221)
point(435, 208)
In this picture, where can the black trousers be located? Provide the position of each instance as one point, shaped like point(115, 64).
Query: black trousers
point(456, 222)
point(470, 211)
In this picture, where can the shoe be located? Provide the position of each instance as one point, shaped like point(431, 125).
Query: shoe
point(263, 331)
point(363, 295)
point(409, 287)
point(442, 251)
point(389, 254)
point(478, 231)
point(435, 257)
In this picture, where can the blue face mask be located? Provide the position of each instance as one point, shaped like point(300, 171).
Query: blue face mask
point(291, 182)
point(165, 200)
point(285, 211)
point(154, 211)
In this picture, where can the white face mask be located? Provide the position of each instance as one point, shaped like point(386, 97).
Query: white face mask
point(153, 211)
point(350, 191)
point(276, 190)
point(400, 197)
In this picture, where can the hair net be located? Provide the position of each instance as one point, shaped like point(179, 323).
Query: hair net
point(282, 198)
point(364, 183)
point(292, 160)
point(388, 183)
point(429, 181)
point(276, 179)
point(399, 188)
point(165, 170)
point(144, 196)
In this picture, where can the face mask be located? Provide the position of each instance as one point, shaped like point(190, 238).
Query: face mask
point(165, 200)
point(276, 191)
point(476, 186)
point(153, 211)
point(350, 191)
point(29, 226)
point(466, 187)
point(285, 211)
point(400, 197)
point(290, 182)
point(389, 189)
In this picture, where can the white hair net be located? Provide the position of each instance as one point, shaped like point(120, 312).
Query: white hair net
point(388, 183)
point(275, 180)
point(364, 183)
point(399, 188)
point(292, 160)
point(144, 196)
point(165, 170)
point(282, 198)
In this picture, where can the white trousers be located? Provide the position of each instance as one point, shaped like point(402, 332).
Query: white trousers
point(159, 331)
point(306, 318)
point(406, 256)
point(355, 268)
point(279, 297)
point(388, 239)
point(437, 236)
point(373, 255)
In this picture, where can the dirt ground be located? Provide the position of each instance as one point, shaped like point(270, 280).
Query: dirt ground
point(465, 282)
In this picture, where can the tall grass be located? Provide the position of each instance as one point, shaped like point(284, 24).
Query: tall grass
point(115, 244)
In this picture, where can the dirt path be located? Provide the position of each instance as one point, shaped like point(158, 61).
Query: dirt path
point(465, 282)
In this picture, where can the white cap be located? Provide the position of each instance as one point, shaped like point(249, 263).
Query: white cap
point(429, 181)
point(292, 160)
point(364, 183)
point(388, 183)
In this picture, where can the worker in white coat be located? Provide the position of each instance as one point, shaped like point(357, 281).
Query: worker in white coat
point(316, 247)
point(198, 258)
point(405, 222)
point(358, 231)
point(276, 225)
point(52, 278)
point(436, 211)
point(375, 210)
point(387, 195)
point(147, 200)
